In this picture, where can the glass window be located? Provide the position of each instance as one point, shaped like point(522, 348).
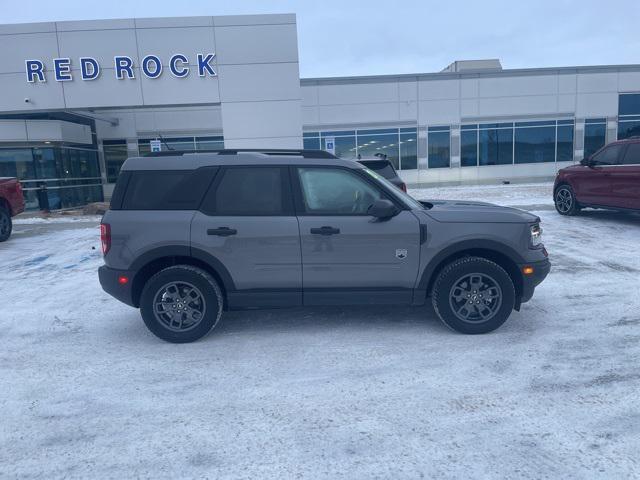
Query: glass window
point(409, 151)
point(375, 145)
point(17, 162)
point(345, 146)
point(332, 191)
point(46, 164)
point(627, 129)
point(632, 155)
point(249, 191)
point(594, 137)
point(439, 147)
point(629, 104)
point(535, 144)
point(607, 156)
point(565, 143)
point(115, 153)
point(209, 143)
point(381, 167)
point(167, 190)
point(496, 146)
point(311, 143)
point(468, 147)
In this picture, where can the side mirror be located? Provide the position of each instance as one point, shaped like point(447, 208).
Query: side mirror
point(587, 162)
point(383, 208)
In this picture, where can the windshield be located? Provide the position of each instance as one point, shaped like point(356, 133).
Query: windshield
point(399, 194)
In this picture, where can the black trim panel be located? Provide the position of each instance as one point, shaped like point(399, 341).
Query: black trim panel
point(354, 296)
point(259, 298)
point(109, 281)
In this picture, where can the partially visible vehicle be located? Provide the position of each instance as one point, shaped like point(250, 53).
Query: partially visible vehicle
point(11, 204)
point(609, 179)
point(383, 167)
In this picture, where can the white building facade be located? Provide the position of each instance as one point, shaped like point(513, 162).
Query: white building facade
point(80, 97)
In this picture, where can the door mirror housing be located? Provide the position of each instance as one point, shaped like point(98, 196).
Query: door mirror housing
point(587, 162)
point(382, 209)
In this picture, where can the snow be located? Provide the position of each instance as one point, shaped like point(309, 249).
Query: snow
point(87, 391)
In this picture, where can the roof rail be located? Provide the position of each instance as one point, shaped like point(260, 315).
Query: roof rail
point(305, 153)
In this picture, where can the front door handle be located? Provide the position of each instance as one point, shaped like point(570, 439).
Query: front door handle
point(222, 231)
point(325, 231)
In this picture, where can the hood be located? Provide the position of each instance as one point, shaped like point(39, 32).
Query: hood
point(463, 211)
point(571, 168)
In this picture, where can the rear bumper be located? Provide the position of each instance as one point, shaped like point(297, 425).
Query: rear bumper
point(109, 280)
point(530, 282)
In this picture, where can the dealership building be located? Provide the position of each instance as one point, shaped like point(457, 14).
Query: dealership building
point(79, 97)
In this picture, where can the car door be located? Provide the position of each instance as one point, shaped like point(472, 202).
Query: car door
point(593, 183)
point(625, 178)
point(246, 227)
point(349, 256)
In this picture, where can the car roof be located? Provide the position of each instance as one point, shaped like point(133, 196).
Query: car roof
point(193, 160)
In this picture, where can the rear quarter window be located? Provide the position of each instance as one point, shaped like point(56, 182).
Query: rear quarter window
point(166, 189)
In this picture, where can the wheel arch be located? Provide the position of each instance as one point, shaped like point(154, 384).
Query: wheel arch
point(154, 261)
point(501, 254)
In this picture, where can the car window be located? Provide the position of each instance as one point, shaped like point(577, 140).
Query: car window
point(332, 191)
point(248, 191)
point(632, 155)
point(608, 156)
point(164, 190)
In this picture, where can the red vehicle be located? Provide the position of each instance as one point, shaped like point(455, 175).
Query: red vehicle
point(610, 179)
point(11, 204)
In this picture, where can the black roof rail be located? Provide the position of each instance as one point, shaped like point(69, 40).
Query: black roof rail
point(305, 153)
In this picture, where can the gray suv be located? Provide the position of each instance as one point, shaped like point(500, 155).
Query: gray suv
point(191, 235)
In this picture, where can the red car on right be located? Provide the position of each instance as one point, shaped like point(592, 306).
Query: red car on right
point(610, 178)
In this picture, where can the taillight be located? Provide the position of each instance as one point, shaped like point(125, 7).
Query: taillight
point(19, 188)
point(105, 237)
point(403, 187)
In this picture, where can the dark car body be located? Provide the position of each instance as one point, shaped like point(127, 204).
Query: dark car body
point(11, 204)
point(610, 178)
point(384, 168)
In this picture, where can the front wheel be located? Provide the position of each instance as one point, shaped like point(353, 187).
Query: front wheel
point(181, 304)
point(5, 225)
point(565, 201)
point(473, 295)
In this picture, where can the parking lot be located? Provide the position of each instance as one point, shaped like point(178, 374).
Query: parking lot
point(87, 391)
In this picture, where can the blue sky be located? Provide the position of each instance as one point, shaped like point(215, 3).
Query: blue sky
point(339, 38)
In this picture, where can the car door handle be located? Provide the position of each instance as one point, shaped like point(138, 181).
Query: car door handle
point(325, 231)
point(222, 231)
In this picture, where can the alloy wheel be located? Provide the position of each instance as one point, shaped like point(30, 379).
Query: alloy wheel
point(179, 306)
point(564, 200)
point(475, 298)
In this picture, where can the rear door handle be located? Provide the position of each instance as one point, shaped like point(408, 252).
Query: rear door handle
point(222, 231)
point(325, 231)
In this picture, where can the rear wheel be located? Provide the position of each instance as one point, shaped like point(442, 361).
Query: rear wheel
point(565, 201)
point(473, 295)
point(5, 224)
point(181, 304)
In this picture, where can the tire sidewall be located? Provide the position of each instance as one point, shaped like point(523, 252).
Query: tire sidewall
point(5, 214)
point(465, 266)
point(574, 204)
point(200, 279)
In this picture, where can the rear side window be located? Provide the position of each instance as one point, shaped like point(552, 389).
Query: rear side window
point(632, 156)
point(243, 191)
point(167, 189)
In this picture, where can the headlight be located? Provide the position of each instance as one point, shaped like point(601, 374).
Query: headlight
point(536, 235)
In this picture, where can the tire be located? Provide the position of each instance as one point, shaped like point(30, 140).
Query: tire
point(6, 225)
point(565, 201)
point(473, 279)
point(189, 304)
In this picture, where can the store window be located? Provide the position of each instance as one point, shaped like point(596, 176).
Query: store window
point(628, 115)
point(372, 143)
point(564, 141)
point(115, 153)
point(595, 134)
point(210, 143)
point(495, 144)
point(439, 147)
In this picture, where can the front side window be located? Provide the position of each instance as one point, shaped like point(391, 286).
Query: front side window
point(632, 155)
point(608, 156)
point(332, 191)
point(248, 191)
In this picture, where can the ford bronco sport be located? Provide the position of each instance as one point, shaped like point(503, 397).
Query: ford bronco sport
point(191, 235)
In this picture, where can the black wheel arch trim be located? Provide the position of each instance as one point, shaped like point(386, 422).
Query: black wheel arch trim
point(185, 251)
point(465, 245)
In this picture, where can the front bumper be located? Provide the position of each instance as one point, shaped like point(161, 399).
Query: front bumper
point(530, 282)
point(109, 280)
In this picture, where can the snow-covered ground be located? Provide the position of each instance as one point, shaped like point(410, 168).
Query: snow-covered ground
point(87, 392)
